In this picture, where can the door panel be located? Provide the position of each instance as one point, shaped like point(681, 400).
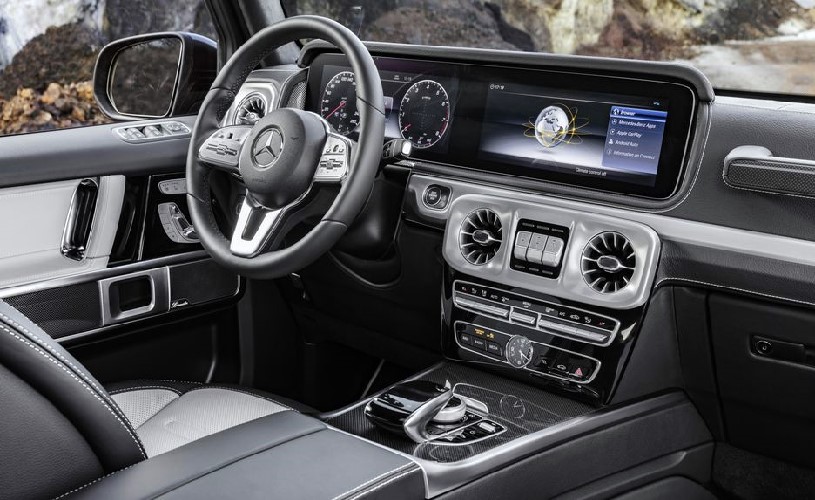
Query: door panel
point(34, 220)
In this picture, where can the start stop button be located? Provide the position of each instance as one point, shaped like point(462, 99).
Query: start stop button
point(436, 197)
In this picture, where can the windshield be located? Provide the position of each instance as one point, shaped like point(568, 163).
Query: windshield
point(748, 45)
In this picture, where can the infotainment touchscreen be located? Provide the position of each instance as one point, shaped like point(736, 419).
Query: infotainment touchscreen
point(605, 136)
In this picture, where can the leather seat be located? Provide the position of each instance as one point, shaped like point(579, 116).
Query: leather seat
point(169, 414)
point(60, 428)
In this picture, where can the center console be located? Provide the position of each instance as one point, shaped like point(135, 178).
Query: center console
point(545, 295)
point(541, 308)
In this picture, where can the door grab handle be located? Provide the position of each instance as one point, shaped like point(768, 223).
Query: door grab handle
point(754, 168)
point(77, 231)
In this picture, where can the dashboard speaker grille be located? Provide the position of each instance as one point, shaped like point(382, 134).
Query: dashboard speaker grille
point(480, 236)
point(608, 262)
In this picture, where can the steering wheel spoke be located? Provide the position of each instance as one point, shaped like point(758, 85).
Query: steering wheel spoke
point(222, 149)
point(255, 227)
point(335, 161)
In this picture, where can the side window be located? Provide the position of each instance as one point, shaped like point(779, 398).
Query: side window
point(48, 50)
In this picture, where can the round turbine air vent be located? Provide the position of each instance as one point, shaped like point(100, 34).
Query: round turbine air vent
point(480, 236)
point(608, 262)
point(251, 109)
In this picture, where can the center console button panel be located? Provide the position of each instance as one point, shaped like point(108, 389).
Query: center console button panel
point(573, 323)
point(539, 248)
point(524, 354)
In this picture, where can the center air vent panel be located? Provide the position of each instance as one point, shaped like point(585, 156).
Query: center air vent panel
point(608, 262)
point(604, 261)
point(480, 236)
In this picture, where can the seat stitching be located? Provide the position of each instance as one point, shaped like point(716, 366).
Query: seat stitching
point(39, 341)
point(377, 478)
point(180, 381)
point(144, 387)
point(56, 353)
point(226, 388)
point(385, 483)
point(89, 389)
point(91, 483)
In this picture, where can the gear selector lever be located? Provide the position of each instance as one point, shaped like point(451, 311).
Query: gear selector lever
point(408, 408)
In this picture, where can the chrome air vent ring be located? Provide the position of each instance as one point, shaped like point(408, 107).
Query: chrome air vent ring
point(251, 109)
point(480, 236)
point(608, 262)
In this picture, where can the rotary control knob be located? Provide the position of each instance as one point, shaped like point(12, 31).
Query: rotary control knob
point(519, 351)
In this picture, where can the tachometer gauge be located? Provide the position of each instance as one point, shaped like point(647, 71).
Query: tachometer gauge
point(424, 113)
point(339, 104)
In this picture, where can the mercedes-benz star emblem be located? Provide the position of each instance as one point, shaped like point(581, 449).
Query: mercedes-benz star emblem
point(268, 147)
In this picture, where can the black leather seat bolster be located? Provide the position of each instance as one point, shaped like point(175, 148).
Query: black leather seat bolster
point(285, 455)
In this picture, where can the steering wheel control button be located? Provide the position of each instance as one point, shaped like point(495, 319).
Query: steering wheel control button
point(222, 148)
point(333, 167)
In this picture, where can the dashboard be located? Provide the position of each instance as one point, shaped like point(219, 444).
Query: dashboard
point(604, 132)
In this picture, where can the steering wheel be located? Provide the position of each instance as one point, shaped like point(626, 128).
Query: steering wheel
point(283, 158)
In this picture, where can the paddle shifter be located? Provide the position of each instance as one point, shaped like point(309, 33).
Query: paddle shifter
point(426, 411)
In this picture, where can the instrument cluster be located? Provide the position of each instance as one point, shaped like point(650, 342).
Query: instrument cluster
point(418, 103)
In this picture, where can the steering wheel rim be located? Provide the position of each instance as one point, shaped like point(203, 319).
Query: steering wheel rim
point(364, 159)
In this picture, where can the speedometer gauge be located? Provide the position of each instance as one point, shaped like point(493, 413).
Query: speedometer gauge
point(424, 113)
point(339, 104)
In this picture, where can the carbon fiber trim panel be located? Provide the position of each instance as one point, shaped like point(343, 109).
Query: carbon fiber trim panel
point(520, 408)
point(772, 175)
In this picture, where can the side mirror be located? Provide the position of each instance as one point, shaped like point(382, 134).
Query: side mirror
point(157, 75)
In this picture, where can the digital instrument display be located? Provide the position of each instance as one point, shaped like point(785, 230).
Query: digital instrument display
point(614, 133)
point(418, 102)
point(581, 133)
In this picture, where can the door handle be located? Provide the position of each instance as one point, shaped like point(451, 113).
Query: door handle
point(77, 231)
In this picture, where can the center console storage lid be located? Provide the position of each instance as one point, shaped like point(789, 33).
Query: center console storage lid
point(285, 455)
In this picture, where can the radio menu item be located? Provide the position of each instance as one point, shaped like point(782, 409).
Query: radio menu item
point(634, 137)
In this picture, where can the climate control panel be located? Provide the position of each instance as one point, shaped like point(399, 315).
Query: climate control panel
point(535, 314)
